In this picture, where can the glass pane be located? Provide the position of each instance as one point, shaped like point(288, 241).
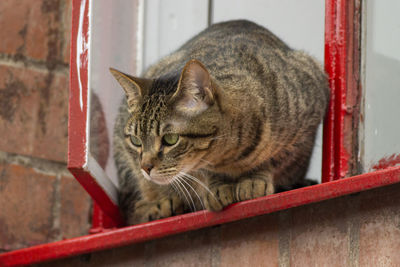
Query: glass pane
point(113, 44)
point(381, 132)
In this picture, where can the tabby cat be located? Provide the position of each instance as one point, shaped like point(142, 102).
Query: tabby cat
point(230, 116)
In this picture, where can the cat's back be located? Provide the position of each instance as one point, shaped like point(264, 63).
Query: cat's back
point(223, 42)
point(233, 33)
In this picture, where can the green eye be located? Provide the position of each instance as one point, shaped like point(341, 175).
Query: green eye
point(170, 139)
point(135, 141)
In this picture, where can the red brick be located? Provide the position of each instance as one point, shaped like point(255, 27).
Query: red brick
point(42, 37)
point(379, 243)
point(188, 249)
point(75, 208)
point(33, 113)
point(31, 28)
point(13, 25)
point(252, 242)
point(319, 234)
point(67, 16)
point(26, 199)
point(51, 137)
point(133, 255)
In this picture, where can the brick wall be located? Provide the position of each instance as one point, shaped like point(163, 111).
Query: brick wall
point(357, 230)
point(39, 200)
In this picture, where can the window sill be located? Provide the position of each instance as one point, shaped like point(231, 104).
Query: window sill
point(196, 220)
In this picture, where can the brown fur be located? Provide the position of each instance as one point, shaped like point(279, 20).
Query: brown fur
point(246, 108)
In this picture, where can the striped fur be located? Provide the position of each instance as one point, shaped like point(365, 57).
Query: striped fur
point(246, 108)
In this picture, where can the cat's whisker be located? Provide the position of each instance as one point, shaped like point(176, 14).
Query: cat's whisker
point(180, 191)
point(189, 195)
point(196, 180)
point(219, 136)
point(175, 188)
point(201, 202)
point(224, 136)
point(200, 183)
point(208, 162)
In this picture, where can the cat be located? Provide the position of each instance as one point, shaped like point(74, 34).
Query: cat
point(230, 116)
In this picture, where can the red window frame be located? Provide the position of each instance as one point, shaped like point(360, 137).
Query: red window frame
point(342, 62)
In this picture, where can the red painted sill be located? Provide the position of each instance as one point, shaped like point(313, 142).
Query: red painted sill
point(191, 221)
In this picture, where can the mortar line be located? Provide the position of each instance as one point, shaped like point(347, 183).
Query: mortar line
point(31, 64)
point(354, 231)
point(62, 7)
point(45, 166)
point(215, 257)
point(56, 209)
point(285, 232)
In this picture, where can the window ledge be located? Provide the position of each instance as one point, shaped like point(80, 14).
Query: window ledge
point(191, 221)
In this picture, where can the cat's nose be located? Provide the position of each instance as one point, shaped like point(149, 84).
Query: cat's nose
point(147, 167)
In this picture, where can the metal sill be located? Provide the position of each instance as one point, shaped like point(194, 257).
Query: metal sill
point(196, 220)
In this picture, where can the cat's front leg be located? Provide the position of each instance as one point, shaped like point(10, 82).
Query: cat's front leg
point(222, 194)
point(218, 196)
point(257, 185)
point(146, 211)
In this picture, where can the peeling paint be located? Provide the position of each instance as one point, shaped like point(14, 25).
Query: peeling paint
point(387, 162)
point(82, 45)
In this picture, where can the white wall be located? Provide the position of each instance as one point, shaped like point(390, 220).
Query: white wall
point(299, 23)
point(168, 24)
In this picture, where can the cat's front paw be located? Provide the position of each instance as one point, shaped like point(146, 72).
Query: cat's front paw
point(253, 188)
point(146, 211)
point(219, 197)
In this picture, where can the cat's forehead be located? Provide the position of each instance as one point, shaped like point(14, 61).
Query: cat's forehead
point(164, 85)
point(153, 108)
point(149, 119)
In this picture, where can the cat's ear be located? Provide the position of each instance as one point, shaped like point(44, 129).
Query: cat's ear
point(134, 88)
point(194, 93)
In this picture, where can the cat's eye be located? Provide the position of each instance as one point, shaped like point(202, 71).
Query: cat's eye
point(136, 141)
point(170, 139)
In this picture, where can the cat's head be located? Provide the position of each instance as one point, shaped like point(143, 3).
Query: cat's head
point(173, 121)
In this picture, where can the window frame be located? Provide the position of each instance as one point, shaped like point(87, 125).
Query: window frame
point(342, 63)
